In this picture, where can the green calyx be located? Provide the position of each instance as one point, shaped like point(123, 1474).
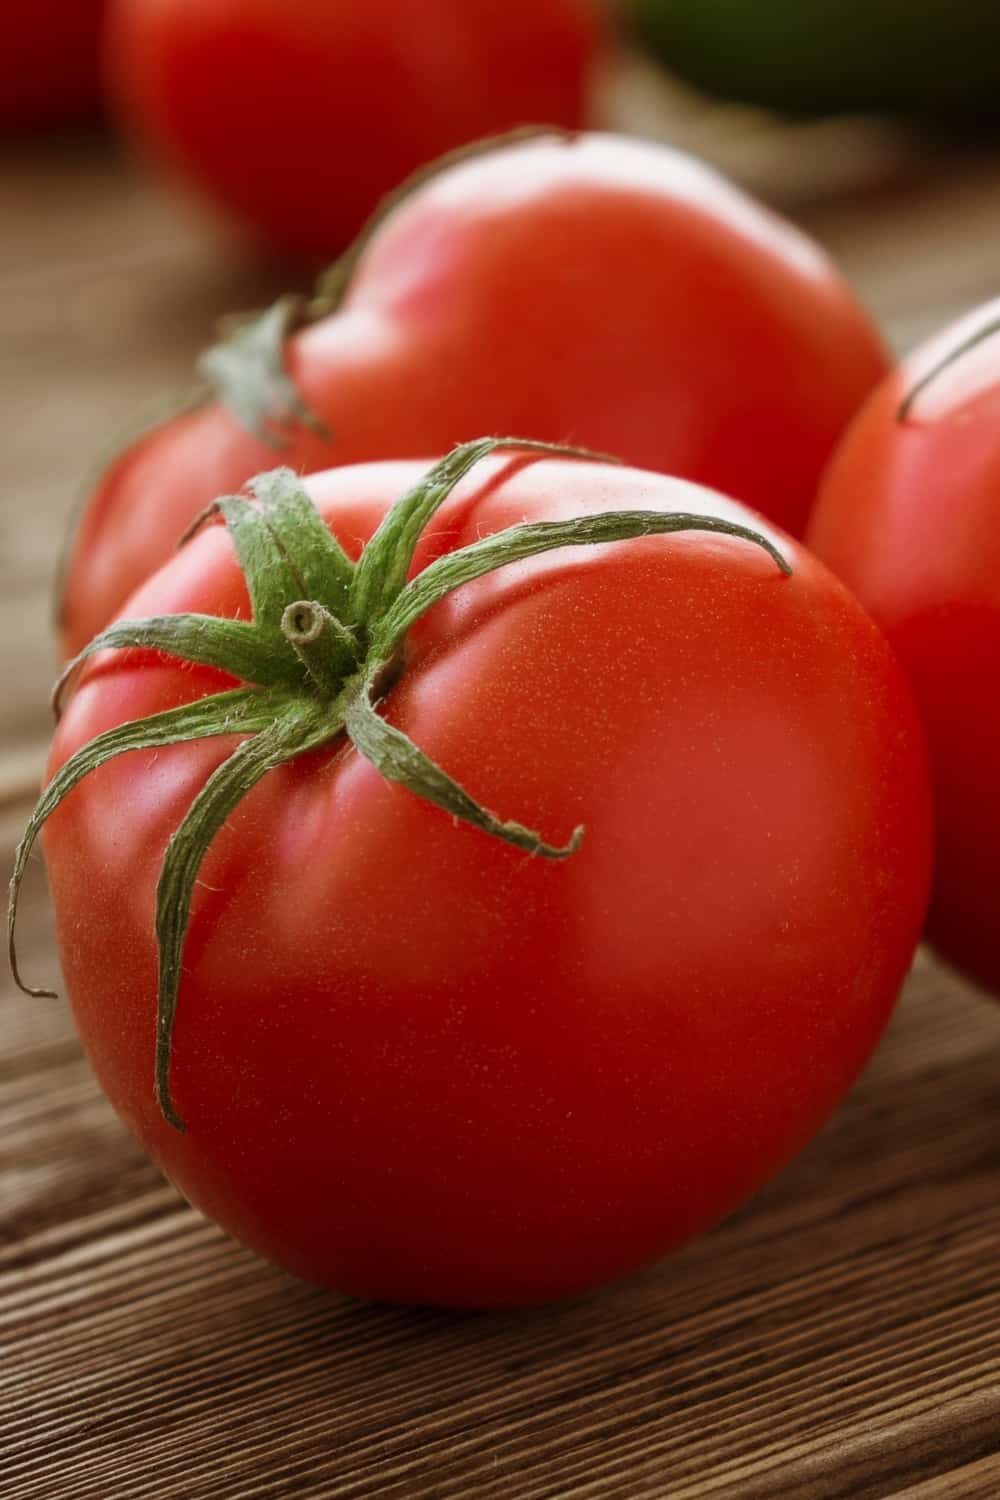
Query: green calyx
point(325, 638)
point(246, 371)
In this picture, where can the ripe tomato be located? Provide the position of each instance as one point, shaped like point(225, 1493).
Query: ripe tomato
point(599, 291)
point(49, 75)
point(909, 516)
point(416, 1063)
point(297, 116)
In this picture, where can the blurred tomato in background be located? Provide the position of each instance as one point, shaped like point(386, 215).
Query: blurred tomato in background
point(929, 57)
point(49, 63)
point(297, 116)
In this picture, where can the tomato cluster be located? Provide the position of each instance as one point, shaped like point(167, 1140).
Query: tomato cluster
point(476, 875)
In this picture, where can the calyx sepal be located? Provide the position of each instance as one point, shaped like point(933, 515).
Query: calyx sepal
point(246, 371)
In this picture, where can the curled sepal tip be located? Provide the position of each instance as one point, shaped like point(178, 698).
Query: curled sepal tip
point(397, 758)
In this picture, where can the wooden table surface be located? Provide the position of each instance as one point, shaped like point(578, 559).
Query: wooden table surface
point(839, 1337)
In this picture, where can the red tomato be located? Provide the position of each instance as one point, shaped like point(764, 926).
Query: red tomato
point(297, 116)
point(599, 291)
point(415, 1063)
point(909, 516)
point(49, 75)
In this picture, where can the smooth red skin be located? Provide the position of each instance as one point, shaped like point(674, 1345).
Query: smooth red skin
point(49, 73)
point(604, 292)
point(298, 116)
point(909, 516)
point(417, 1064)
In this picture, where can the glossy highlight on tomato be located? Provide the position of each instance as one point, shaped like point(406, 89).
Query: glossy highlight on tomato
point(593, 290)
point(909, 516)
point(417, 1063)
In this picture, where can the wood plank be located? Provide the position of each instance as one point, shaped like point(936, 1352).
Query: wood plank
point(979, 1481)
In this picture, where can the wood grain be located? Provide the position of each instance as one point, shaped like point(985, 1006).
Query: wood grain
point(838, 1338)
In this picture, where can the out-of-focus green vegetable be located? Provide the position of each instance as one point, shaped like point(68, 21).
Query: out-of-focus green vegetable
point(930, 57)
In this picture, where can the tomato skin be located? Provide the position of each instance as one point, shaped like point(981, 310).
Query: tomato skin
point(49, 75)
point(908, 516)
point(416, 1064)
point(686, 330)
point(298, 116)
